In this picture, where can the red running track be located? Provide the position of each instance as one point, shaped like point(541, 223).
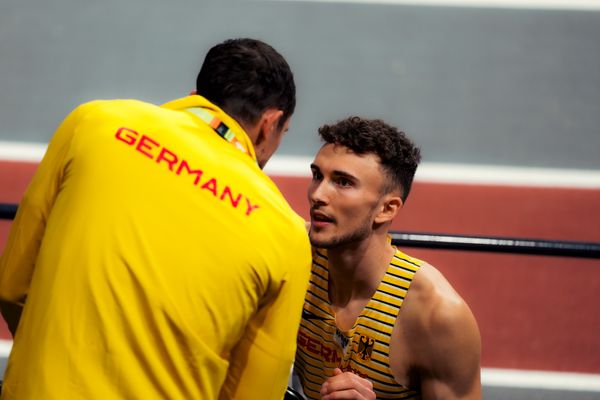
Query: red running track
point(534, 312)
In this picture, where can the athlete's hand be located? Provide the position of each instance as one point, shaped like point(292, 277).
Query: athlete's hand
point(347, 385)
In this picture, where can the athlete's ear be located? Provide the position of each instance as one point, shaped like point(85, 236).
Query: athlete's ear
point(268, 124)
point(193, 92)
point(391, 206)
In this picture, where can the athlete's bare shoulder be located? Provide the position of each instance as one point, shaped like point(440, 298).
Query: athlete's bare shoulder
point(439, 338)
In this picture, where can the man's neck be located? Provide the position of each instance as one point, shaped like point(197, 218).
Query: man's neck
point(356, 270)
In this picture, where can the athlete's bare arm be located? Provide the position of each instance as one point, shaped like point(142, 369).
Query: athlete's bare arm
point(438, 341)
point(436, 346)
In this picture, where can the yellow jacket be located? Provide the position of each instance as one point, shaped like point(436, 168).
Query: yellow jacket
point(154, 260)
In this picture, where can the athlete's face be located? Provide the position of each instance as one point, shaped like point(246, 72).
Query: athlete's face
point(344, 195)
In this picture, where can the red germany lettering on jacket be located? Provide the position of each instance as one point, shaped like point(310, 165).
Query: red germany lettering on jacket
point(153, 150)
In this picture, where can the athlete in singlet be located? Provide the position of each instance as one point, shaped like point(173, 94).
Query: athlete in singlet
point(376, 322)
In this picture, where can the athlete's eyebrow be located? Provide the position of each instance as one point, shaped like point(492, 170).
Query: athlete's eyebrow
point(335, 173)
point(343, 174)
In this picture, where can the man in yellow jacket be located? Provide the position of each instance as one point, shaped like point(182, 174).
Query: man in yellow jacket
point(151, 257)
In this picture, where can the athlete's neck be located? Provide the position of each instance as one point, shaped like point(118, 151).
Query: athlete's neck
point(355, 270)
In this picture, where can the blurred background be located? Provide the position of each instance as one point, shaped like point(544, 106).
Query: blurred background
point(502, 96)
point(494, 85)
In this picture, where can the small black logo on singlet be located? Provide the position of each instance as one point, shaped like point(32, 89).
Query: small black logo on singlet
point(365, 347)
point(341, 340)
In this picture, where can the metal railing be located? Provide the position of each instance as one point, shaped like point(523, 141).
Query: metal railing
point(461, 242)
point(497, 244)
point(8, 211)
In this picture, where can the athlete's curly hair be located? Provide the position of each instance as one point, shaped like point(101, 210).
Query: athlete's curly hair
point(398, 155)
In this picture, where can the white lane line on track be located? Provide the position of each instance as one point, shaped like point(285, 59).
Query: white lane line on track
point(5, 347)
point(507, 175)
point(24, 152)
point(582, 5)
point(540, 379)
point(299, 166)
point(495, 377)
point(465, 174)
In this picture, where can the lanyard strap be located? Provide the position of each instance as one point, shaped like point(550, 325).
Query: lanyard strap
point(220, 127)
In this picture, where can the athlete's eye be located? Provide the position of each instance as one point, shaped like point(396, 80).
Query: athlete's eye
point(344, 182)
point(316, 175)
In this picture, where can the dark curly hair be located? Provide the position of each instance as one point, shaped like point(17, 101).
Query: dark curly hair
point(398, 155)
point(245, 77)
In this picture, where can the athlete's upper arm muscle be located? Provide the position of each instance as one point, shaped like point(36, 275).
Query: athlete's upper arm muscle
point(453, 370)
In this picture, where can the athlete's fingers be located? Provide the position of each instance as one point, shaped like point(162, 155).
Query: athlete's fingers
point(349, 394)
point(346, 385)
point(341, 380)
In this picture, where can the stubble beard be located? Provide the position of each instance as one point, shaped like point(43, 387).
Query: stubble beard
point(359, 234)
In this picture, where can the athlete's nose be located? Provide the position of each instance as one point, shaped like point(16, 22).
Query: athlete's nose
point(317, 192)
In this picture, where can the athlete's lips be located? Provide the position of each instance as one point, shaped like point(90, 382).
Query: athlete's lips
point(319, 217)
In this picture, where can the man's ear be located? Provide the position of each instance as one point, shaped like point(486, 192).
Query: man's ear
point(193, 92)
point(391, 206)
point(268, 124)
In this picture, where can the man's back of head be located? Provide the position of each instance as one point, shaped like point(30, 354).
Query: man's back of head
point(245, 77)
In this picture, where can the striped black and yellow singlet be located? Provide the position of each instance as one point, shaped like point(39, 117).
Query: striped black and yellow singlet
point(364, 349)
